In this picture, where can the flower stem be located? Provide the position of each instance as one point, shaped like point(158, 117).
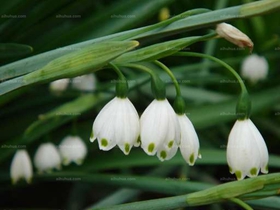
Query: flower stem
point(241, 203)
point(179, 103)
point(243, 107)
point(121, 86)
point(171, 75)
point(158, 86)
point(242, 85)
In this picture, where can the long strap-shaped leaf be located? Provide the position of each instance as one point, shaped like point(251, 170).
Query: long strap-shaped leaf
point(79, 62)
point(246, 189)
point(188, 21)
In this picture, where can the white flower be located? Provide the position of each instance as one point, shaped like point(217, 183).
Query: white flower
point(21, 167)
point(72, 148)
point(59, 85)
point(47, 157)
point(246, 150)
point(189, 145)
point(254, 68)
point(117, 124)
point(84, 83)
point(234, 35)
point(160, 130)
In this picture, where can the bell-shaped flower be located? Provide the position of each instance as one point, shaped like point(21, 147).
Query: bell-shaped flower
point(60, 85)
point(117, 124)
point(254, 68)
point(21, 167)
point(84, 83)
point(234, 35)
point(72, 149)
point(47, 158)
point(160, 130)
point(246, 150)
point(189, 145)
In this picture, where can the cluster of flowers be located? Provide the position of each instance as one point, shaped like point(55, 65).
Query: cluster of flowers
point(162, 131)
point(48, 157)
point(82, 83)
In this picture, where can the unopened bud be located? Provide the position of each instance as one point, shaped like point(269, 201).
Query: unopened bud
point(234, 35)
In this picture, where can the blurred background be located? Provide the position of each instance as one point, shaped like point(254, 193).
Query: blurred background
point(42, 115)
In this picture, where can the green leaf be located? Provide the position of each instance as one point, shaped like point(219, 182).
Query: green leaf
point(184, 24)
point(211, 195)
point(11, 50)
point(81, 61)
point(160, 50)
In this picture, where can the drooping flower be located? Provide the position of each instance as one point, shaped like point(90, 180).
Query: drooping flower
point(21, 167)
point(84, 83)
point(254, 68)
point(246, 150)
point(160, 130)
point(72, 149)
point(117, 124)
point(59, 85)
point(189, 145)
point(47, 158)
point(234, 35)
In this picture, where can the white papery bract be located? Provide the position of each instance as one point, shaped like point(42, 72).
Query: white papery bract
point(254, 68)
point(246, 150)
point(234, 35)
point(21, 167)
point(72, 149)
point(84, 83)
point(59, 85)
point(160, 130)
point(117, 124)
point(189, 145)
point(47, 158)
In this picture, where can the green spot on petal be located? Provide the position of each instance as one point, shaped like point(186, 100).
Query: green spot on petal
point(139, 140)
point(104, 142)
point(151, 147)
point(163, 154)
point(191, 159)
point(266, 168)
point(126, 148)
point(238, 175)
point(170, 144)
point(253, 171)
point(91, 135)
point(230, 170)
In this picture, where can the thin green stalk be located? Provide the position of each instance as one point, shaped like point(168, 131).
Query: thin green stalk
point(171, 75)
point(139, 67)
point(241, 203)
point(242, 85)
point(157, 85)
point(117, 70)
point(243, 107)
point(121, 86)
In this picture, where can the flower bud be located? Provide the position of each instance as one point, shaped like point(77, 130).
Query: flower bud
point(234, 35)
